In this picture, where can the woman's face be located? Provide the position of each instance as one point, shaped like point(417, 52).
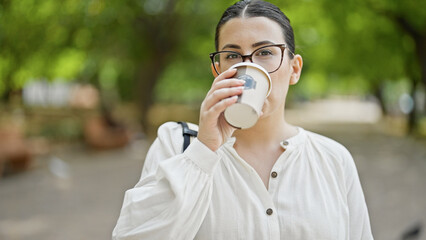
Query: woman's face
point(244, 35)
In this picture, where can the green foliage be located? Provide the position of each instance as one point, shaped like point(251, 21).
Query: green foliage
point(348, 46)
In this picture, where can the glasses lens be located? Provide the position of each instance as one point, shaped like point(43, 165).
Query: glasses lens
point(225, 60)
point(268, 57)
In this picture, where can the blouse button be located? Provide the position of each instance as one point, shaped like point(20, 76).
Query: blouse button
point(274, 174)
point(269, 211)
point(284, 144)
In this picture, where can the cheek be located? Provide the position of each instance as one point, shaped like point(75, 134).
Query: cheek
point(278, 93)
point(280, 85)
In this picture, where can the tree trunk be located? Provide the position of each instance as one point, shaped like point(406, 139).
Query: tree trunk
point(419, 37)
point(7, 91)
point(412, 116)
point(378, 93)
point(420, 42)
point(421, 55)
point(147, 79)
point(161, 33)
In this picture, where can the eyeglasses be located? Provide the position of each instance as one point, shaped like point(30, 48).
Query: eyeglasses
point(269, 57)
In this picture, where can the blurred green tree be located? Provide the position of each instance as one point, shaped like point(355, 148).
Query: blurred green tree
point(358, 46)
point(410, 18)
point(157, 50)
point(125, 45)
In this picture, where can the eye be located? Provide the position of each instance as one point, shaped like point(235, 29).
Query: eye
point(232, 56)
point(264, 52)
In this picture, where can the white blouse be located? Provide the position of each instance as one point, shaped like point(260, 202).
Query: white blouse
point(314, 193)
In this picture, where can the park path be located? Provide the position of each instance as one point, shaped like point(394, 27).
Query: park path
point(75, 193)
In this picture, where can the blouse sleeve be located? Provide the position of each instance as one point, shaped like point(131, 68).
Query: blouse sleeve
point(359, 221)
point(173, 195)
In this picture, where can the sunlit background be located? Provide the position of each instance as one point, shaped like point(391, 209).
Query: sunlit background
point(85, 84)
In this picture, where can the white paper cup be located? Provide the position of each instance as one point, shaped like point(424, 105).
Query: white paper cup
point(246, 111)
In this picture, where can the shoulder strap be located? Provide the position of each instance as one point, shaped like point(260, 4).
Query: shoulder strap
point(187, 133)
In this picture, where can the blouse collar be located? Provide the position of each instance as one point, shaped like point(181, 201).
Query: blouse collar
point(292, 142)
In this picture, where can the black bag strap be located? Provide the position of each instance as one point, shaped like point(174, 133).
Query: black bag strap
point(187, 134)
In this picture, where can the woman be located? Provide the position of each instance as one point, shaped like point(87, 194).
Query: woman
point(271, 181)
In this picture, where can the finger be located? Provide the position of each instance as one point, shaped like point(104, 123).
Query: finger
point(227, 74)
point(223, 76)
point(215, 111)
point(226, 83)
point(220, 95)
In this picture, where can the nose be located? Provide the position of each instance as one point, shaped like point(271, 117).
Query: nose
point(247, 58)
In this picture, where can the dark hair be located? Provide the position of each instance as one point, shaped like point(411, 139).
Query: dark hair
point(258, 8)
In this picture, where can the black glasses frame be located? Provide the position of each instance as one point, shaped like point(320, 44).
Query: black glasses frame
point(250, 56)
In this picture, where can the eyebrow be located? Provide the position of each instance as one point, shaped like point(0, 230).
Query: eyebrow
point(262, 43)
point(253, 45)
point(231, 46)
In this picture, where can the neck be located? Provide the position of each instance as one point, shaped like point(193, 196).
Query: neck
point(268, 131)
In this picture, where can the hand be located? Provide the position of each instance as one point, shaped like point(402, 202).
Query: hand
point(213, 129)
